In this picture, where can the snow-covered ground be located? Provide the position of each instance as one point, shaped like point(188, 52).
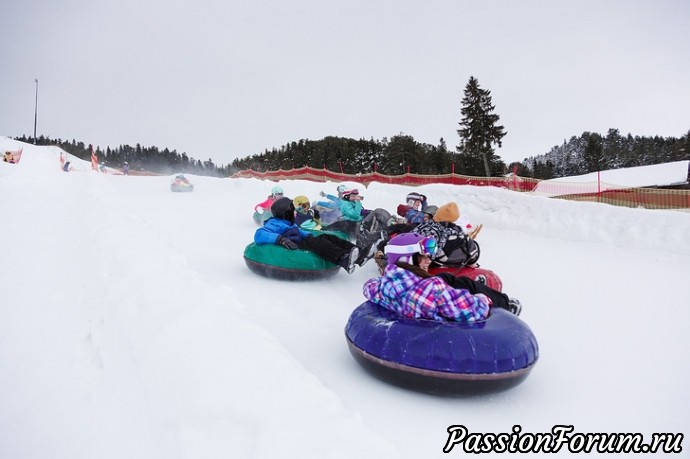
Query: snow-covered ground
point(666, 174)
point(130, 326)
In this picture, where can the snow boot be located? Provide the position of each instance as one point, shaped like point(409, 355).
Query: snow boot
point(367, 252)
point(515, 306)
point(348, 261)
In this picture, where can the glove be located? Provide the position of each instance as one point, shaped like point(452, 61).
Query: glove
point(322, 194)
point(287, 243)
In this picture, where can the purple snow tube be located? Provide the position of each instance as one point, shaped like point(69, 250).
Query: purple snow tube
point(442, 357)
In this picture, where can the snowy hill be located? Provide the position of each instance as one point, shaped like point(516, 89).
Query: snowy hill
point(131, 328)
point(656, 175)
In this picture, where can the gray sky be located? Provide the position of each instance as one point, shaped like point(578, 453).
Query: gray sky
point(223, 79)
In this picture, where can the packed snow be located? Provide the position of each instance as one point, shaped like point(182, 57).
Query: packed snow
point(666, 174)
point(130, 326)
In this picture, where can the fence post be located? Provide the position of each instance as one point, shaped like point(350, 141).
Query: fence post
point(598, 186)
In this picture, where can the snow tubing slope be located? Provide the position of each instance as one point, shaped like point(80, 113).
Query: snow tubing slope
point(446, 358)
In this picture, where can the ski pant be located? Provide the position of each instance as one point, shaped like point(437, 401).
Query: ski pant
point(500, 300)
point(346, 226)
point(330, 248)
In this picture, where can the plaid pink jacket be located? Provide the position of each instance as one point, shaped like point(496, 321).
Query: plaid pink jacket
point(411, 296)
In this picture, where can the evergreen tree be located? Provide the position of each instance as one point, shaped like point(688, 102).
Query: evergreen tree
point(479, 131)
point(594, 152)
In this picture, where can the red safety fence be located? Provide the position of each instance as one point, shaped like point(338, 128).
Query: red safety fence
point(651, 198)
point(323, 175)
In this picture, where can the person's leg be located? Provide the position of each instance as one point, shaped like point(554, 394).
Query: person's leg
point(369, 247)
point(330, 248)
point(346, 226)
point(500, 300)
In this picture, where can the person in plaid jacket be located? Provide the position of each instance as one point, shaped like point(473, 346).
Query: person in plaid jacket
point(415, 297)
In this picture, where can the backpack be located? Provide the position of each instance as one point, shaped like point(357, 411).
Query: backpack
point(460, 251)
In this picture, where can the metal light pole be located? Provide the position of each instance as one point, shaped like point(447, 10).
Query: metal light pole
point(35, 110)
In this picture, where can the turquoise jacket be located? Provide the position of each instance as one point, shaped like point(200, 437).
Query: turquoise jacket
point(351, 210)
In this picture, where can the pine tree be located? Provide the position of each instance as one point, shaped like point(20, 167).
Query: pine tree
point(479, 130)
point(594, 152)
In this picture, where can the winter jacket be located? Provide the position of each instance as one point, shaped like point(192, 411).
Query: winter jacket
point(441, 232)
point(351, 210)
point(335, 200)
point(414, 216)
point(274, 228)
point(411, 296)
point(265, 205)
point(455, 248)
point(308, 219)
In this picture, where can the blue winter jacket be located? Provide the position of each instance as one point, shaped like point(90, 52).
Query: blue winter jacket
point(351, 210)
point(274, 228)
point(414, 216)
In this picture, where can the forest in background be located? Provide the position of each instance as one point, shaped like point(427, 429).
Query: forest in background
point(479, 132)
point(401, 153)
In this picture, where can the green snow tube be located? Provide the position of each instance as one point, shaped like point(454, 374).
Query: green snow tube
point(277, 262)
point(260, 218)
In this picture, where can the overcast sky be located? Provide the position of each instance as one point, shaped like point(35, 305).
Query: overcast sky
point(223, 79)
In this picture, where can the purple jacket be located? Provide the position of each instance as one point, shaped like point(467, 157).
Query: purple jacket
point(411, 296)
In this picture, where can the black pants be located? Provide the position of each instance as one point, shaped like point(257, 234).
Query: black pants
point(346, 226)
point(330, 248)
point(500, 300)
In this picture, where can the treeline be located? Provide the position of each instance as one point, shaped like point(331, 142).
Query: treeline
point(394, 156)
point(589, 152)
point(593, 152)
point(580, 155)
point(149, 159)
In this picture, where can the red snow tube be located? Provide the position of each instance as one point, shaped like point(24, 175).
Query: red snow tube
point(485, 276)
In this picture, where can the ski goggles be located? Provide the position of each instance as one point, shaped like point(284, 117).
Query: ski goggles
point(426, 246)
